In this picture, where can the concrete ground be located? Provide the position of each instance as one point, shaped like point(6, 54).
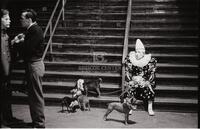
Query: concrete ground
point(93, 118)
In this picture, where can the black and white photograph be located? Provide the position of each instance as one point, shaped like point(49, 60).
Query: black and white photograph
point(99, 64)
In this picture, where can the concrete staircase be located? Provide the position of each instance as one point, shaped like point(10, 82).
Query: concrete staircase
point(89, 44)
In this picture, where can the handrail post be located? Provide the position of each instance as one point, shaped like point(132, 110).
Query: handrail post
point(50, 39)
point(63, 12)
point(125, 49)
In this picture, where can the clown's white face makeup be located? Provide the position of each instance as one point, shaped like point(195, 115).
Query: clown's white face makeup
point(139, 54)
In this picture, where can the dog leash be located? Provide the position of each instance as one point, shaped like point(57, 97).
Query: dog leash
point(107, 93)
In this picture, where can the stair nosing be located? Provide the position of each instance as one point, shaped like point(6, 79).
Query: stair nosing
point(118, 64)
point(111, 74)
point(132, 29)
point(113, 86)
point(119, 55)
point(121, 45)
point(130, 37)
point(116, 98)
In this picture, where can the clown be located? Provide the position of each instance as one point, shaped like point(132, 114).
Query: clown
point(140, 70)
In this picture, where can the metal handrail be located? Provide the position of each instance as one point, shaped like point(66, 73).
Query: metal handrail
point(125, 47)
point(49, 26)
point(51, 18)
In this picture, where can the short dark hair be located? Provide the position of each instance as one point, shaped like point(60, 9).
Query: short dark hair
point(30, 14)
point(4, 12)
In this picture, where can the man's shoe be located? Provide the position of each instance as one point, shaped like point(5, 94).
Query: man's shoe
point(12, 121)
point(38, 126)
point(32, 125)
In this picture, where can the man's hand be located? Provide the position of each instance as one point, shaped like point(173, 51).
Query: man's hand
point(19, 38)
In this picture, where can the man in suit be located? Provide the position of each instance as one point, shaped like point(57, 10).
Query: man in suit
point(31, 46)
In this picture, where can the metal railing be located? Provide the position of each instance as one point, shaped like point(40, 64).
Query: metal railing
point(50, 25)
point(125, 47)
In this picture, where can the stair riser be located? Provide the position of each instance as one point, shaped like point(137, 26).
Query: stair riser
point(103, 104)
point(121, 23)
point(39, 7)
point(90, 31)
point(123, 8)
point(111, 69)
point(70, 78)
point(177, 94)
point(163, 33)
point(114, 92)
point(118, 9)
point(115, 80)
point(97, 3)
point(66, 90)
point(117, 59)
point(88, 40)
point(147, 41)
point(120, 39)
point(96, 16)
point(120, 2)
point(97, 9)
point(120, 32)
point(117, 69)
point(119, 50)
point(121, 16)
point(96, 57)
point(184, 81)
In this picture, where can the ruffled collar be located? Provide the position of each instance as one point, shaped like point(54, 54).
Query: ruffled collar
point(141, 62)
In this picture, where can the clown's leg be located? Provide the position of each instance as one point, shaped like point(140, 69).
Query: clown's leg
point(150, 108)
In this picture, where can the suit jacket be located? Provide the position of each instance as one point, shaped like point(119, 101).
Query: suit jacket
point(33, 45)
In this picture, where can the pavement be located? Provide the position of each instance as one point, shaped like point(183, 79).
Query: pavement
point(94, 118)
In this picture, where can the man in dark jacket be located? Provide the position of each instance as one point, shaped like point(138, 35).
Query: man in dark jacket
point(31, 45)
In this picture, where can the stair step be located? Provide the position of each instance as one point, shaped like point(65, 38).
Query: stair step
point(116, 58)
point(118, 37)
point(98, 74)
point(132, 29)
point(121, 15)
point(162, 79)
point(111, 89)
point(103, 67)
point(120, 31)
point(80, 39)
point(119, 55)
point(124, 7)
point(148, 46)
point(55, 99)
point(113, 86)
point(117, 48)
point(107, 98)
point(112, 67)
point(150, 21)
point(118, 64)
point(172, 13)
